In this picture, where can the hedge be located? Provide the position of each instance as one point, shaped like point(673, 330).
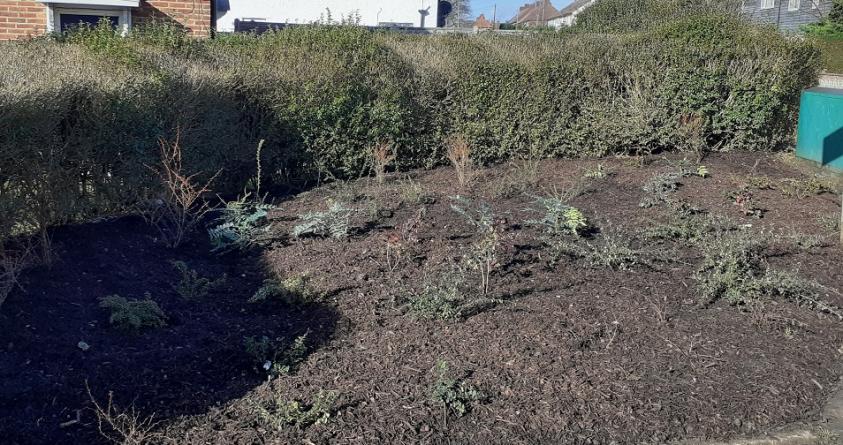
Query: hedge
point(80, 117)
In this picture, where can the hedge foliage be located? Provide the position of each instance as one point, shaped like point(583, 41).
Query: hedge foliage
point(80, 117)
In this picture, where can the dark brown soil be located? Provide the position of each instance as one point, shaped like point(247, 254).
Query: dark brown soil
point(573, 354)
point(194, 363)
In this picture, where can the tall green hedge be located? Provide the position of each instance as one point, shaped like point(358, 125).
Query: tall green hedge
point(80, 117)
point(637, 15)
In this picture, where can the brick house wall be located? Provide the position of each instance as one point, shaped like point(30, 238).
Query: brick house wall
point(21, 19)
point(781, 16)
point(194, 15)
point(29, 18)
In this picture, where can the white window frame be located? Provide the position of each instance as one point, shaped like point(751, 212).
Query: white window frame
point(767, 4)
point(54, 12)
point(794, 5)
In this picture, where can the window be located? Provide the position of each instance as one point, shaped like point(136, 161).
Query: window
point(793, 5)
point(768, 4)
point(65, 14)
point(67, 20)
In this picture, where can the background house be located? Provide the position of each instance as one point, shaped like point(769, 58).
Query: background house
point(400, 13)
point(25, 18)
point(482, 23)
point(536, 14)
point(568, 15)
point(787, 15)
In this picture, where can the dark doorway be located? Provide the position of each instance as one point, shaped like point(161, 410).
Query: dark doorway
point(445, 8)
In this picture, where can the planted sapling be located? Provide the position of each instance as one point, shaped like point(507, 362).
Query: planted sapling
point(482, 255)
point(134, 314)
point(276, 357)
point(192, 286)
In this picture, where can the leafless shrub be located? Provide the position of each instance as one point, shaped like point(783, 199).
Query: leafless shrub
point(12, 263)
point(381, 156)
point(123, 427)
point(181, 206)
point(459, 153)
point(692, 132)
point(402, 241)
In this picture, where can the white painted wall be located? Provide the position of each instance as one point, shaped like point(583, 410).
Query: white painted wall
point(371, 12)
point(570, 19)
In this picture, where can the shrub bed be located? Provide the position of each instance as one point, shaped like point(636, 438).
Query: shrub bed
point(80, 117)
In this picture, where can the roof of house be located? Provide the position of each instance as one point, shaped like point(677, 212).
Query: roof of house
point(572, 8)
point(540, 11)
point(483, 23)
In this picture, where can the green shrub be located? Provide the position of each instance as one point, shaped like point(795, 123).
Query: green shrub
point(283, 413)
point(734, 269)
point(636, 15)
point(482, 255)
point(276, 357)
point(832, 27)
point(659, 188)
point(611, 249)
point(559, 218)
point(456, 396)
point(446, 296)
point(134, 314)
point(292, 290)
point(441, 298)
point(239, 224)
point(600, 171)
point(691, 228)
point(192, 286)
point(614, 251)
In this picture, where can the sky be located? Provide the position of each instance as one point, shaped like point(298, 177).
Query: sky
point(506, 8)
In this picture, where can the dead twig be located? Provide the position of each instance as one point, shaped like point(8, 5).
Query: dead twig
point(181, 206)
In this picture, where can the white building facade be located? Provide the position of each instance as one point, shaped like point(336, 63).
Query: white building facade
point(403, 13)
point(568, 15)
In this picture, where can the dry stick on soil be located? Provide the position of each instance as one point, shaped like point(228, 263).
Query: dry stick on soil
point(12, 263)
point(459, 153)
point(382, 154)
point(124, 428)
point(181, 207)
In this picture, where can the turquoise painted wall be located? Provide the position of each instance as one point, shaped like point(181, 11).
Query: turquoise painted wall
point(820, 135)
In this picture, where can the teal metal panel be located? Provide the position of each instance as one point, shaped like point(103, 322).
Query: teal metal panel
point(820, 134)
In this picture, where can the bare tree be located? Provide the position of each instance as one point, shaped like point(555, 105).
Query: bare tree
point(460, 14)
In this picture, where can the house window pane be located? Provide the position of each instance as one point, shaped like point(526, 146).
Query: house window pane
point(767, 4)
point(793, 5)
point(69, 21)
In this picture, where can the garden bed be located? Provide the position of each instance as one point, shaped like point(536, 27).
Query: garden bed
point(603, 345)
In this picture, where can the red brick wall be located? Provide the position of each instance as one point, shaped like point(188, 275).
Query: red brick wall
point(27, 18)
point(21, 19)
point(195, 15)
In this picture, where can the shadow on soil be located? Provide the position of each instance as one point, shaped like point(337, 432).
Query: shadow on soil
point(196, 362)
